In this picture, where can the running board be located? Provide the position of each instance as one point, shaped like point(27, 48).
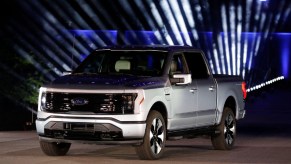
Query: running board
point(191, 133)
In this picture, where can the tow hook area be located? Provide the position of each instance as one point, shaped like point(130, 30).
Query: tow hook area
point(82, 131)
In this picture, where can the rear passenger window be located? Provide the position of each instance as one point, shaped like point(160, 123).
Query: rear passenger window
point(196, 65)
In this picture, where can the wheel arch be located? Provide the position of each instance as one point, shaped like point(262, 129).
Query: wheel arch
point(161, 107)
point(229, 102)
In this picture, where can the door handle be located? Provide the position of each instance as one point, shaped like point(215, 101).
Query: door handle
point(193, 90)
point(211, 88)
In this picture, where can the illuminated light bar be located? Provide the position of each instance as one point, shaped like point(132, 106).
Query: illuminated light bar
point(82, 24)
point(20, 45)
point(232, 35)
point(238, 44)
point(226, 42)
point(92, 14)
point(285, 53)
point(216, 60)
point(36, 64)
point(126, 7)
point(160, 22)
point(198, 10)
point(259, 86)
point(78, 48)
point(245, 43)
point(157, 33)
point(171, 20)
point(180, 21)
point(190, 19)
point(222, 57)
point(48, 38)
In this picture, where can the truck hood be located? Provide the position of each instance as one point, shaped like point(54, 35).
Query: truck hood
point(85, 81)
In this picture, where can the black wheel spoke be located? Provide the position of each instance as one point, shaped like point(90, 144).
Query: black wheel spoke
point(229, 129)
point(153, 145)
point(157, 137)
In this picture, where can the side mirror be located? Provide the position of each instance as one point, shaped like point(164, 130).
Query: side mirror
point(67, 73)
point(181, 79)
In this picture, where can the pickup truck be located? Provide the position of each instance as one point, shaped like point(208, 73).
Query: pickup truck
point(142, 96)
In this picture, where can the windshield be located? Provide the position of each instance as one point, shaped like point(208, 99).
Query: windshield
point(140, 63)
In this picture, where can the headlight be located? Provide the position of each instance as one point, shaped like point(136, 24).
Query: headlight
point(128, 101)
point(120, 103)
point(43, 101)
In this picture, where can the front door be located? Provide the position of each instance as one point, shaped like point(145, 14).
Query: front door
point(183, 97)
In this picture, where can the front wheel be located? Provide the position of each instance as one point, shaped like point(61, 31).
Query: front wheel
point(155, 136)
point(54, 148)
point(224, 140)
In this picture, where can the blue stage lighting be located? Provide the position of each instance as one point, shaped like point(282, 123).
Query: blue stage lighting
point(285, 39)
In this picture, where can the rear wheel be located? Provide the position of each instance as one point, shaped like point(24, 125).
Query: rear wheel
point(155, 136)
point(225, 139)
point(54, 148)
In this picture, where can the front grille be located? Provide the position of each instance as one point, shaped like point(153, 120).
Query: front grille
point(83, 102)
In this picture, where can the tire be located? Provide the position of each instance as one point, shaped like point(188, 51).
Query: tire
point(155, 137)
point(225, 139)
point(54, 149)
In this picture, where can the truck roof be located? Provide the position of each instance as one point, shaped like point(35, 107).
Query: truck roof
point(150, 47)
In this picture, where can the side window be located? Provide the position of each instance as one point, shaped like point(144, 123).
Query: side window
point(197, 65)
point(178, 65)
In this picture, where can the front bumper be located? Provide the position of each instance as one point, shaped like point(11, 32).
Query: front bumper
point(92, 129)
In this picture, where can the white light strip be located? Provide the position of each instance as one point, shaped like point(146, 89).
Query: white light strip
point(36, 64)
point(170, 17)
point(160, 22)
point(50, 27)
point(278, 15)
point(221, 53)
point(181, 23)
point(190, 19)
point(95, 18)
point(188, 13)
point(23, 41)
point(224, 26)
point(216, 59)
point(232, 36)
point(211, 63)
point(82, 24)
point(259, 86)
point(247, 25)
point(66, 33)
point(157, 33)
point(238, 44)
point(287, 12)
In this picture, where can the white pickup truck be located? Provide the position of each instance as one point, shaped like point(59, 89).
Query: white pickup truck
point(140, 95)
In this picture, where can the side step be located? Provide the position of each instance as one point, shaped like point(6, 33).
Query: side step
point(175, 138)
point(191, 133)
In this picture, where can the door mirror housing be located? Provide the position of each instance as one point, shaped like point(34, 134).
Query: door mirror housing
point(181, 79)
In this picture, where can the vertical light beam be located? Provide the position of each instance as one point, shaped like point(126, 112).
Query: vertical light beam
point(224, 26)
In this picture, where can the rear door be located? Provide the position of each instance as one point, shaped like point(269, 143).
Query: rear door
point(205, 89)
